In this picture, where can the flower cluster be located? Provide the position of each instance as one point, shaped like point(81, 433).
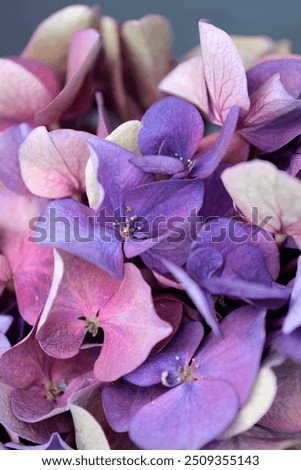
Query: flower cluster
point(150, 236)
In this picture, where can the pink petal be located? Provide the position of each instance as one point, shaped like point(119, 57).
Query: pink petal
point(82, 290)
point(187, 81)
point(50, 41)
point(26, 87)
point(84, 48)
point(268, 102)
point(131, 327)
point(30, 263)
point(224, 72)
point(53, 163)
point(147, 47)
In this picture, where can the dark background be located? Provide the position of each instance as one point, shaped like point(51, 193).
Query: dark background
point(278, 19)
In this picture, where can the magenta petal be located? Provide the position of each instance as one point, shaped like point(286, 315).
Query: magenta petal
point(28, 405)
point(5, 273)
point(187, 417)
point(131, 328)
point(84, 48)
point(31, 264)
point(32, 279)
point(60, 169)
point(10, 142)
point(36, 432)
point(224, 72)
point(285, 412)
point(235, 357)
point(83, 290)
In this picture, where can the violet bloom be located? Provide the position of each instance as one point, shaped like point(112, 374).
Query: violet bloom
point(85, 299)
point(40, 385)
point(226, 262)
point(170, 136)
point(204, 388)
point(134, 216)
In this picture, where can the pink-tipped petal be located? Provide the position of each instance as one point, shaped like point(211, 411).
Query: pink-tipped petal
point(50, 41)
point(26, 87)
point(187, 81)
point(224, 72)
point(131, 327)
point(147, 46)
point(53, 163)
point(84, 48)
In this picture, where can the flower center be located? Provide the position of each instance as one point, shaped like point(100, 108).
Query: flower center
point(185, 373)
point(92, 325)
point(53, 391)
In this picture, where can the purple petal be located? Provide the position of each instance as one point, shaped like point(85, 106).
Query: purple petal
point(289, 70)
point(54, 443)
point(173, 123)
point(235, 357)
point(271, 107)
point(10, 142)
point(224, 72)
point(72, 226)
point(202, 302)
point(186, 417)
point(122, 401)
point(114, 171)
point(205, 163)
point(289, 345)
point(293, 318)
point(164, 165)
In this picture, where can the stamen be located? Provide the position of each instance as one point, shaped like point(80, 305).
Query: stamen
point(53, 390)
point(92, 325)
